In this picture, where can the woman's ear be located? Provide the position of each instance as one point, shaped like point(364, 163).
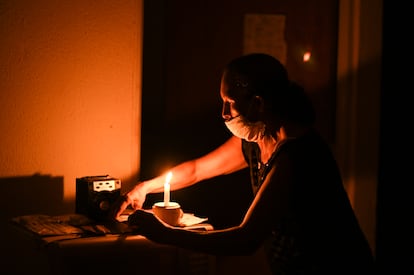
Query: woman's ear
point(258, 103)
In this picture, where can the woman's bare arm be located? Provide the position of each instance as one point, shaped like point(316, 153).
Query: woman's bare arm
point(269, 206)
point(226, 159)
point(223, 160)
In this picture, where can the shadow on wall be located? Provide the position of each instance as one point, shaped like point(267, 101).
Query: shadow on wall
point(26, 195)
point(36, 194)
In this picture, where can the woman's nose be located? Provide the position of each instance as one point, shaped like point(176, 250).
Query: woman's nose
point(225, 112)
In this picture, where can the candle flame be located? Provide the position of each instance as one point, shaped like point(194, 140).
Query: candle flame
point(169, 176)
point(167, 189)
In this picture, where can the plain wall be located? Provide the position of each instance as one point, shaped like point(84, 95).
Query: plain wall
point(70, 101)
point(70, 83)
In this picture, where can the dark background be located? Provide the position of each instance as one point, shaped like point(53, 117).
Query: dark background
point(186, 45)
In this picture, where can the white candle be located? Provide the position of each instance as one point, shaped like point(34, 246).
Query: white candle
point(167, 189)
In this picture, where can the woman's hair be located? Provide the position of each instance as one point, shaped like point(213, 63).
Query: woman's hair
point(263, 75)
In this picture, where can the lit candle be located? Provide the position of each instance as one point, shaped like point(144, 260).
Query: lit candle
point(167, 189)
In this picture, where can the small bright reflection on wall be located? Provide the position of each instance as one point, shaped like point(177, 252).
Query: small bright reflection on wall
point(306, 56)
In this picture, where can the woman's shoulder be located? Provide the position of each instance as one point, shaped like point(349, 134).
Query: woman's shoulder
point(309, 147)
point(311, 139)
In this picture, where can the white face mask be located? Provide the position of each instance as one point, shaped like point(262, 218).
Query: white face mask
point(250, 131)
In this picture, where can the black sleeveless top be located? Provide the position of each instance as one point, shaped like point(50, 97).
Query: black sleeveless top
point(323, 235)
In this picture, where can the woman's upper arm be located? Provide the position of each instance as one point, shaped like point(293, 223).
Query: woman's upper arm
point(271, 203)
point(225, 159)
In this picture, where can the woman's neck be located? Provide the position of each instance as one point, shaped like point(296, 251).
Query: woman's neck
point(268, 145)
point(270, 142)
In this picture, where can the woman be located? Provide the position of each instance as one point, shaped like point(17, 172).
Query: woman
point(300, 214)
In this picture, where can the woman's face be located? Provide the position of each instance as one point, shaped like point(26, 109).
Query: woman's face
point(241, 110)
point(235, 96)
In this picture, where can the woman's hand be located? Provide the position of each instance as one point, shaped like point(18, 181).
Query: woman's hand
point(147, 224)
point(135, 198)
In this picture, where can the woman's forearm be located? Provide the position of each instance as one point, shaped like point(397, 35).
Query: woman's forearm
point(226, 159)
point(230, 241)
point(183, 175)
